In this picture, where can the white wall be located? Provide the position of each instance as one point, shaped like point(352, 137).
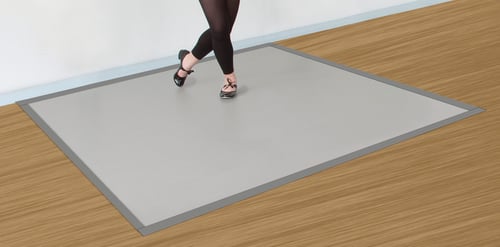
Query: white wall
point(42, 41)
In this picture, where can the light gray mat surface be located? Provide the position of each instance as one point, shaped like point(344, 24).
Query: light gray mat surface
point(163, 155)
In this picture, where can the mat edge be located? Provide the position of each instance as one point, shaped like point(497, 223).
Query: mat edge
point(68, 152)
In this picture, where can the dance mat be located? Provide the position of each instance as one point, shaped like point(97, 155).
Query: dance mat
point(163, 155)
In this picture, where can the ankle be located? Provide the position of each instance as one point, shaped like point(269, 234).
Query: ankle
point(189, 61)
point(230, 78)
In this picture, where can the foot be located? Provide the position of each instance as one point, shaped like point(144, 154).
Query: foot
point(229, 89)
point(184, 61)
point(182, 73)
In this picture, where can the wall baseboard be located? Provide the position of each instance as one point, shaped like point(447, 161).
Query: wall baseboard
point(91, 78)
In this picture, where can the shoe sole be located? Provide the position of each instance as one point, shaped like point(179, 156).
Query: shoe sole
point(227, 96)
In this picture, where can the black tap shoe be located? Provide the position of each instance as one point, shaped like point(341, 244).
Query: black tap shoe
point(179, 81)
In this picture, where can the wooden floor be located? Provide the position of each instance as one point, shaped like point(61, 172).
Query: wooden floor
point(438, 189)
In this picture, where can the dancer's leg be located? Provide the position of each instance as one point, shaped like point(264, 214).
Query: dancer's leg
point(220, 15)
point(204, 44)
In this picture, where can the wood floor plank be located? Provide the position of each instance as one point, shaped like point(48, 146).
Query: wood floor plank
point(437, 189)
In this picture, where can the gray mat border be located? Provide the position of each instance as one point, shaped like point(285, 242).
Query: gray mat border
point(380, 79)
point(146, 230)
point(82, 166)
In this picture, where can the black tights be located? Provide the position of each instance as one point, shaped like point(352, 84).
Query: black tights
point(221, 15)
